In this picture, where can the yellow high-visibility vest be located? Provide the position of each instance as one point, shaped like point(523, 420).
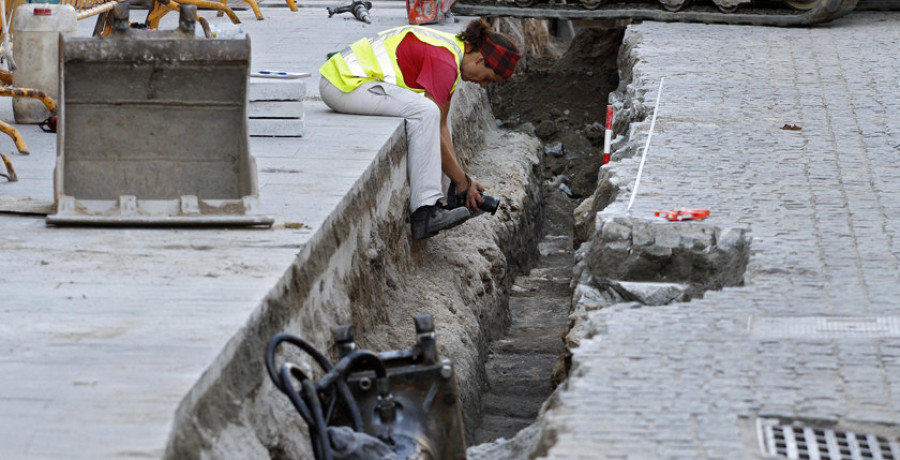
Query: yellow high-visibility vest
point(376, 58)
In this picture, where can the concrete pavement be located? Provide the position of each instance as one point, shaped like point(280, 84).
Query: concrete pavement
point(103, 332)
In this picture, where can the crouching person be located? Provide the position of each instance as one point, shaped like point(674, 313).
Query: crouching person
point(387, 75)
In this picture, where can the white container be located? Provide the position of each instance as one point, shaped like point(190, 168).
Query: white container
point(36, 28)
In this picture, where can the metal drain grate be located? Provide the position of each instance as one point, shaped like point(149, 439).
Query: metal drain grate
point(778, 440)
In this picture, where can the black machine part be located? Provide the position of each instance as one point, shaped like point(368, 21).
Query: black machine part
point(488, 204)
point(406, 400)
point(359, 8)
point(619, 13)
point(347, 444)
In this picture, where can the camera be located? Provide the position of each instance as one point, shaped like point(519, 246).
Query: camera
point(457, 200)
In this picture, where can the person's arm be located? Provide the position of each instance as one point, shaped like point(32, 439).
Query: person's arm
point(450, 165)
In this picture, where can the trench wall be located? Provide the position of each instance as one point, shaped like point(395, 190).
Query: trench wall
point(362, 267)
point(625, 261)
point(628, 261)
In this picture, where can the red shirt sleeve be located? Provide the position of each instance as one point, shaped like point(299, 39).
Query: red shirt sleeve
point(427, 67)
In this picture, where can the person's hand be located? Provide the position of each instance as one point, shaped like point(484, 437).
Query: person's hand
point(473, 195)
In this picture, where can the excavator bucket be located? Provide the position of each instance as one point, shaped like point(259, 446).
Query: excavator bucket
point(152, 129)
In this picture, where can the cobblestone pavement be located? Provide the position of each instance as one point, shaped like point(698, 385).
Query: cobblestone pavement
point(689, 380)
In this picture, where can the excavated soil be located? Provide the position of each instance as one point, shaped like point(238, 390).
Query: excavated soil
point(563, 101)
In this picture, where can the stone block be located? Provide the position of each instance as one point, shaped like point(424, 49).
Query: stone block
point(667, 236)
point(652, 294)
point(616, 229)
point(276, 89)
point(641, 234)
point(634, 250)
point(276, 127)
point(275, 107)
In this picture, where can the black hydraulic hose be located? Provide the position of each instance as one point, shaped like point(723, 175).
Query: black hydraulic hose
point(350, 402)
point(286, 371)
point(299, 343)
point(331, 405)
point(343, 391)
point(301, 406)
point(309, 391)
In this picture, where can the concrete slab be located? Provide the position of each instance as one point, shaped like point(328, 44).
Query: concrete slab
point(103, 331)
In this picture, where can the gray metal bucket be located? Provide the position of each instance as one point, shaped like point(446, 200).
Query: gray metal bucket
point(153, 130)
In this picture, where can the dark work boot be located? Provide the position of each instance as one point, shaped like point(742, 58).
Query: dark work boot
point(427, 221)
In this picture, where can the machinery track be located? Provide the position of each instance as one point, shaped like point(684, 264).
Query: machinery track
point(794, 13)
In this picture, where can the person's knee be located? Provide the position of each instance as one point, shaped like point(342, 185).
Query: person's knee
point(426, 111)
point(329, 94)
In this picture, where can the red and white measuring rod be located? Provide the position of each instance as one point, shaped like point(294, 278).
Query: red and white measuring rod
point(608, 137)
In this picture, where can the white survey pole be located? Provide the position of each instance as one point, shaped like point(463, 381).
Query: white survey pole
point(637, 182)
point(607, 135)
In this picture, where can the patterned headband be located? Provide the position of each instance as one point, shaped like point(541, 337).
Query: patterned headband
point(501, 60)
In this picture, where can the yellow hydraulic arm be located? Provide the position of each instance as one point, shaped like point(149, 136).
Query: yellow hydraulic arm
point(23, 92)
point(163, 7)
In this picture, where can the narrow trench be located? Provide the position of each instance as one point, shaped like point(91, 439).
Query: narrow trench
point(562, 100)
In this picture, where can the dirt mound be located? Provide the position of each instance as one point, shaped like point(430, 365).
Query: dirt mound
point(563, 101)
point(571, 90)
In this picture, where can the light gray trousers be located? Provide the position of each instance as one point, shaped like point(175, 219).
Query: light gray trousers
point(423, 130)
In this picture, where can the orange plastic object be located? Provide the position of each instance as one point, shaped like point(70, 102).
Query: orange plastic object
point(683, 214)
point(428, 11)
